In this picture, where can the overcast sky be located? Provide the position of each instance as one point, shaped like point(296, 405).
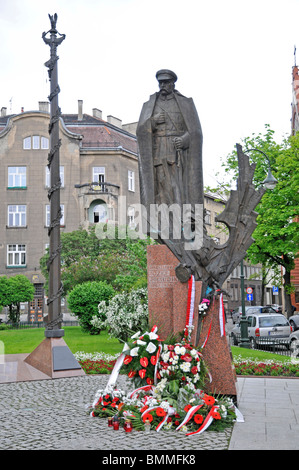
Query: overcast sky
point(233, 57)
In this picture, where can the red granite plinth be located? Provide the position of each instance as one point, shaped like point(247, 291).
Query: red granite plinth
point(167, 296)
point(43, 359)
point(217, 354)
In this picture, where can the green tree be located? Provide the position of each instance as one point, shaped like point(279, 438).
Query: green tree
point(276, 235)
point(84, 299)
point(13, 291)
point(84, 257)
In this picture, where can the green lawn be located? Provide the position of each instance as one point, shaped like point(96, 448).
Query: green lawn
point(25, 341)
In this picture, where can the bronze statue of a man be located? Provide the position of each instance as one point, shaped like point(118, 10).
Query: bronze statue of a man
point(170, 146)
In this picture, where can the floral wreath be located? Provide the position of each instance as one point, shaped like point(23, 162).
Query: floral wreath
point(170, 380)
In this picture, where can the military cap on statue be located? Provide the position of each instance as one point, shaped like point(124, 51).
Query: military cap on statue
point(165, 74)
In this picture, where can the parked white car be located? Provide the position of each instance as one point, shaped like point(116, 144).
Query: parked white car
point(264, 329)
point(236, 314)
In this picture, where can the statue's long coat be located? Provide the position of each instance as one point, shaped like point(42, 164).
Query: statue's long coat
point(145, 141)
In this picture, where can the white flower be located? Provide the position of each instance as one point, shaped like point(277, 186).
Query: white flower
point(134, 351)
point(152, 335)
point(193, 353)
point(165, 357)
point(136, 335)
point(151, 348)
point(185, 366)
point(142, 343)
point(177, 350)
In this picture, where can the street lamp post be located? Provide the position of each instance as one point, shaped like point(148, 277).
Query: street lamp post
point(269, 183)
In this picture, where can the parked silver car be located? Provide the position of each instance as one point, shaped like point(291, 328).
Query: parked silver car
point(294, 344)
point(251, 310)
point(294, 321)
point(264, 329)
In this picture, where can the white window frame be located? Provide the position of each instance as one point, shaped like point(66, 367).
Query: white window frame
point(35, 142)
point(48, 215)
point(98, 174)
point(18, 177)
point(48, 177)
point(16, 215)
point(131, 180)
point(16, 255)
point(44, 143)
point(131, 217)
point(27, 143)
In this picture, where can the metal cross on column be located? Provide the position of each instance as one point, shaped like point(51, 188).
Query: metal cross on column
point(53, 328)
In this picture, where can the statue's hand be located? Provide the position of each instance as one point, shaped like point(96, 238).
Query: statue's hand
point(178, 143)
point(159, 118)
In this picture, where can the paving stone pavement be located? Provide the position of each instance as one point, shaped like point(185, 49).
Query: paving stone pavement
point(52, 415)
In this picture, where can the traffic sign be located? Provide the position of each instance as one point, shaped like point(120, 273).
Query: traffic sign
point(249, 290)
point(275, 290)
point(250, 297)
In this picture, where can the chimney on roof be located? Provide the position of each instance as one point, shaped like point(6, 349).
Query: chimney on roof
point(115, 121)
point(43, 106)
point(3, 111)
point(97, 113)
point(80, 110)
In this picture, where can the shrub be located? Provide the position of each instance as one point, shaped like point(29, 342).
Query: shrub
point(125, 314)
point(83, 301)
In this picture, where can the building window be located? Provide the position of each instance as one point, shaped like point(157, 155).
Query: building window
point(44, 143)
point(98, 175)
point(17, 177)
point(131, 180)
point(35, 142)
point(208, 217)
point(48, 177)
point(48, 215)
point(27, 143)
point(131, 217)
point(17, 216)
point(16, 255)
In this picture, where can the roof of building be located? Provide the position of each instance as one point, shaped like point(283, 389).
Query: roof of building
point(96, 133)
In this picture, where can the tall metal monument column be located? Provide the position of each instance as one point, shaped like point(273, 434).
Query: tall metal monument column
point(53, 328)
point(52, 356)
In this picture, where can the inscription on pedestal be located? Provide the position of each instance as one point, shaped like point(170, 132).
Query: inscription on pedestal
point(161, 276)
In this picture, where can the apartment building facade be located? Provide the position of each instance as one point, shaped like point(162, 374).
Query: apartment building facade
point(98, 168)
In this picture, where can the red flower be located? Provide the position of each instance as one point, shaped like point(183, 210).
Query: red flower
point(170, 347)
point(147, 416)
point(183, 378)
point(143, 409)
point(153, 360)
point(194, 370)
point(127, 359)
point(209, 400)
point(144, 361)
point(131, 373)
point(186, 357)
point(149, 381)
point(176, 423)
point(216, 415)
point(187, 408)
point(142, 373)
point(198, 419)
point(160, 412)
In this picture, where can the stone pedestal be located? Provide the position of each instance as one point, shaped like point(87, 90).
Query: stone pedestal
point(54, 358)
point(167, 296)
point(217, 354)
point(167, 304)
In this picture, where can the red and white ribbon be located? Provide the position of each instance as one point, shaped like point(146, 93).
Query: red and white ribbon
point(221, 316)
point(146, 388)
point(190, 301)
point(207, 337)
point(189, 415)
point(207, 422)
point(117, 366)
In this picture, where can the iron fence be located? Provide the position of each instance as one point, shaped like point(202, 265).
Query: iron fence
point(35, 324)
point(275, 345)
